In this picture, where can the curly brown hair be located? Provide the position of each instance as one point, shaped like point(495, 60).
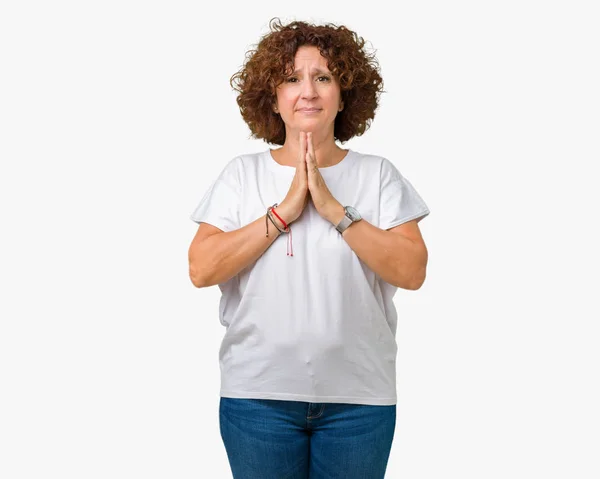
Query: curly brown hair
point(267, 66)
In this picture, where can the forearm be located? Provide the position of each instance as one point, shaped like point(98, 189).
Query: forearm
point(221, 256)
point(395, 258)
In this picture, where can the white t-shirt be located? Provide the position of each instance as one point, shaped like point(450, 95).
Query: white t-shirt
point(318, 326)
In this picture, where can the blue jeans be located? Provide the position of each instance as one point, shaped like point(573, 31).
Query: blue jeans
point(277, 439)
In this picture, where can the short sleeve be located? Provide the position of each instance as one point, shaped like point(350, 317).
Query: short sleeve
point(399, 201)
point(220, 205)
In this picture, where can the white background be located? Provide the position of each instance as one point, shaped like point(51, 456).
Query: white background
point(117, 116)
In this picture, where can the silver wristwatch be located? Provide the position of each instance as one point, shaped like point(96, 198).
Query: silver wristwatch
point(352, 216)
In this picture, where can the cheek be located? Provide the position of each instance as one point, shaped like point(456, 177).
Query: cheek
point(288, 97)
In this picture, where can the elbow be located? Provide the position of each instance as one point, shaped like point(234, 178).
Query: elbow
point(200, 281)
point(202, 271)
point(417, 280)
point(419, 274)
point(199, 276)
point(413, 279)
point(195, 278)
point(196, 282)
point(416, 284)
point(196, 274)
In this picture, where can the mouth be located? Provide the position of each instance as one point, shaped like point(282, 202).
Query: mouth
point(309, 110)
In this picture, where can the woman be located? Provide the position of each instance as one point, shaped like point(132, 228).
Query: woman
point(308, 378)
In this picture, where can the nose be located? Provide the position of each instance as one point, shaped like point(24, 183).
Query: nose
point(308, 90)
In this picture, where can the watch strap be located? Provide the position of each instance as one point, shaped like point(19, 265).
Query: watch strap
point(342, 225)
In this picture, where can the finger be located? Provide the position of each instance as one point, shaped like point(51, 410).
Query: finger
point(302, 158)
point(302, 148)
point(310, 157)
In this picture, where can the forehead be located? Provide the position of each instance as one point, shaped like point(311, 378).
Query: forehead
point(310, 57)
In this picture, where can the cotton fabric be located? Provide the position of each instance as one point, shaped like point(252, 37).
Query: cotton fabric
point(318, 326)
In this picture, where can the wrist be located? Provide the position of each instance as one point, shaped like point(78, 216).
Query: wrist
point(337, 214)
point(283, 214)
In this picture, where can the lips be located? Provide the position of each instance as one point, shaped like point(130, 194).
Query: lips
point(309, 109)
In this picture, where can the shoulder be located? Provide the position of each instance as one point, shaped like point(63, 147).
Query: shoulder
point(367, 158)
point(376, 163)
point(237, 166)
point(244, 162)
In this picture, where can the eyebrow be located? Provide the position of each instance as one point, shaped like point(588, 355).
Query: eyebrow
point(315, 70)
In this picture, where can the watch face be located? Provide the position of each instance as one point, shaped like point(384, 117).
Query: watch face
point(354, 215)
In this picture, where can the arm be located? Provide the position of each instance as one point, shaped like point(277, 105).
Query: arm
point(218, 257)
point(397, 255)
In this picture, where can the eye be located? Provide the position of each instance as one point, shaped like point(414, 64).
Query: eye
point(289, 80)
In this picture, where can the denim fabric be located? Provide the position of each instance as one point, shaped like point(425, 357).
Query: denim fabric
point(277, 439)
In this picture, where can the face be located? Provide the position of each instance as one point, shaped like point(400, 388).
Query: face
point(311, 86)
